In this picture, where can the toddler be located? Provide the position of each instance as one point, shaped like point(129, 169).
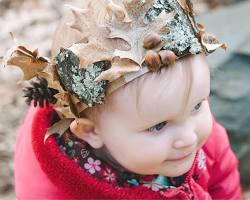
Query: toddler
point(124, 111)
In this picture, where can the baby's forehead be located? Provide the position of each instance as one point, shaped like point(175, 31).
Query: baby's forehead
point(168, 92)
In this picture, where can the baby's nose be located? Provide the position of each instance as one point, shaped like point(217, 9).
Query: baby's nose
point(185, 140)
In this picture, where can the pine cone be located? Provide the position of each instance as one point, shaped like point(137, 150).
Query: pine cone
point(39, 92)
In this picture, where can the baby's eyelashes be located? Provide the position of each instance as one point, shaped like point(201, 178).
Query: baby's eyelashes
point(197, 107)
point(158, 127)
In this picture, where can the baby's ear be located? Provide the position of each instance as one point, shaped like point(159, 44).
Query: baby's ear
point(85, 129)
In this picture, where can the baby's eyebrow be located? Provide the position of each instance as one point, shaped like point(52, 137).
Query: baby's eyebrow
point(143, 124)
point(168, 117)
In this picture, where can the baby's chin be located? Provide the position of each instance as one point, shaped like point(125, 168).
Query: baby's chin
point(177, 168)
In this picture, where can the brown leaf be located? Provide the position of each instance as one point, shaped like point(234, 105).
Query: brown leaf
point(64, 105)
point(64, 112)
point(119, 68)
point(58, 128)
point(79, 105)
point(211, 43)
point(52, 83)
point(118, 11)
point(135, 35)
point(67, 105)
point(95, 46)
point(74, 99)
point(63, 99)
point(78, 14)
point(201, 28)
point(137, 7)
point(91, 52)
point(186, 5)
point(29, 62)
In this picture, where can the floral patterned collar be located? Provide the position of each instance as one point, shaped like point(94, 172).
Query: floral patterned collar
point(80, 152)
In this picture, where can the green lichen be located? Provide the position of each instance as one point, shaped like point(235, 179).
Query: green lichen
point(181, 39)
point(81, 81)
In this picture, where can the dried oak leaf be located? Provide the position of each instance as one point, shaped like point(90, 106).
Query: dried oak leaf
point(66, 102)
point(96, 46)
point(92, 52)
point(186, 5)
point(58, 128)
point(64, 106)
point(119, 68)
point(201, 28)
point(136, 8)
point(211, 43)
point(79, 105)
point(55, 84)
point(134, 35)
point(117, 10)
point(64, 112)
point(28, 61)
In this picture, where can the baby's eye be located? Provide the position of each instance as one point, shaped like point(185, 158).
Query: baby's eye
point(197, 107)
point(157, 127)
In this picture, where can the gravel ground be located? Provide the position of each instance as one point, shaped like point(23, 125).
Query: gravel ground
point(33, 23)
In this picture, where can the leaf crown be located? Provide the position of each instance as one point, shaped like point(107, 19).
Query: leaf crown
point(120, 41)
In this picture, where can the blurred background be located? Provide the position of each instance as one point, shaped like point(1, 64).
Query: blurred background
point(33, 23)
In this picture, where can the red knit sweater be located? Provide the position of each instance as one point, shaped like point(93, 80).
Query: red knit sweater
point(42, 171)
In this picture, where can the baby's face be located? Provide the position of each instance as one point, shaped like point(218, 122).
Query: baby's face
point(160, 131)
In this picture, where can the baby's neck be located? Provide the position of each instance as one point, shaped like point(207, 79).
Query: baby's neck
point(104, 155)
point(85, 155)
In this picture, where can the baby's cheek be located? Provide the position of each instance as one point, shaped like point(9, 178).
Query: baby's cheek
point(205, 123)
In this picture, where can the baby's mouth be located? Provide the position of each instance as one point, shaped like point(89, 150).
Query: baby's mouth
point(183, 157)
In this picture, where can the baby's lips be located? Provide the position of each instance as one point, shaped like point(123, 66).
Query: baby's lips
point(181, 157)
